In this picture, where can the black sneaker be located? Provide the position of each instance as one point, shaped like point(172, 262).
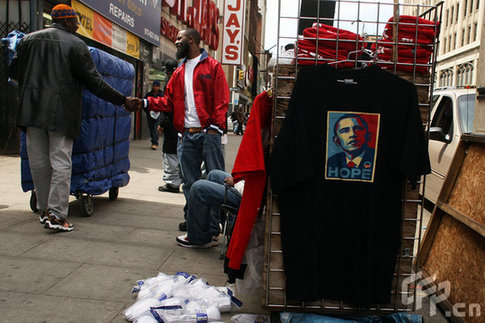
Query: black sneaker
point(183, 226)
point(43, 216)
point(59, 224)
point(168, 188)
point(183, 240)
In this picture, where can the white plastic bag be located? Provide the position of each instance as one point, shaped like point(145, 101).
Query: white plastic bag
point(250, 318)
point(254, 258)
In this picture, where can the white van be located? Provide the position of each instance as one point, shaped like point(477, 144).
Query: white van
point(451, 116)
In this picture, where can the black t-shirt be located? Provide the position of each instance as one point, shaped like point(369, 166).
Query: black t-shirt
point(349, 140)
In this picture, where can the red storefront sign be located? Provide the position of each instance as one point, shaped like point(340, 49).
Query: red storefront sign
point(202, 16)
point(232, 35)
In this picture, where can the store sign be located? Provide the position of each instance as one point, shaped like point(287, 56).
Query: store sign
point(96, 27)
point(168, 30)
point(203, 16)
point(232, 34)
point(141, 17)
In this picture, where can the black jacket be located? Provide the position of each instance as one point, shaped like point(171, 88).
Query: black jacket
point(51, 65)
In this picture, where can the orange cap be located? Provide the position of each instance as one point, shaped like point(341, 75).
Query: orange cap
point(62, 11)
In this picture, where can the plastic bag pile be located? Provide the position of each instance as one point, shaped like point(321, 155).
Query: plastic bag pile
point(179, 298)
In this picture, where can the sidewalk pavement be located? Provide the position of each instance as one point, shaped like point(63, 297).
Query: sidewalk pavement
point(87, 275)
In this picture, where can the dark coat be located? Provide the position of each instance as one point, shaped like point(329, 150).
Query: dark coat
point(51, 66)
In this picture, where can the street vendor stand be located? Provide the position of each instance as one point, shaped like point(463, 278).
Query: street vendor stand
point(284, 76)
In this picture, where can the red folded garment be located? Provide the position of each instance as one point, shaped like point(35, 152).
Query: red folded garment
point(326, 31)
point(407, 52)
point(385, 42)
point(410, 37)
point(405, 68)
point(332, 37)
point(413, 20)
point(306, 62)
point(412, 29)
point(307, 54)
point(403, 59)
point(324, 51)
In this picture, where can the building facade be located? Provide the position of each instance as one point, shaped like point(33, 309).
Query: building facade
point(247, 77)
point(462, 25)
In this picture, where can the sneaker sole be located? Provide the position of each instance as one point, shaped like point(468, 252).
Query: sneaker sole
point(199, 246)
point(42, 220)
point(57, 227)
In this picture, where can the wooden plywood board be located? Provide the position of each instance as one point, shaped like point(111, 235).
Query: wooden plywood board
point(458, 256)
point(454, 246)
point(468, 195)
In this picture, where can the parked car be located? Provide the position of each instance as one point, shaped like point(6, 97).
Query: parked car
point(451, 116)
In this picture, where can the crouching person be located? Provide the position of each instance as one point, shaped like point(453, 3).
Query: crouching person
point(203, 212)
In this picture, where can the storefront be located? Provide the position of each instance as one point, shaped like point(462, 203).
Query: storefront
point(120, 31)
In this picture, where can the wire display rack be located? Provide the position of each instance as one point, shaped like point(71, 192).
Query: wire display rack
point(369, 20)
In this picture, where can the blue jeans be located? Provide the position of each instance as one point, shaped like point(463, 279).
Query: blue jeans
point(152, 127)
point(205, 199)
point(192, 149)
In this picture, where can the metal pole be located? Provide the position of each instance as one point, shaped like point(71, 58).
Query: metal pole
point(33, 15)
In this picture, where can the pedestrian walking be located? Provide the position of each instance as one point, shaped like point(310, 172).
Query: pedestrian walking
point(241, 120)
point(51, 66)
point(171, 169)
point(153, 119)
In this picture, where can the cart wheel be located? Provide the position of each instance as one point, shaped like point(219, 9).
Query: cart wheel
point(113, 193)
point(87, 206)
point(33, 202)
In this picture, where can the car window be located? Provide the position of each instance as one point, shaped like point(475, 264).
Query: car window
point(434, 99)
point(466, 110)
point(443, 116)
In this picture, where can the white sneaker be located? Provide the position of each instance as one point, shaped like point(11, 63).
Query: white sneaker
point(183, 240)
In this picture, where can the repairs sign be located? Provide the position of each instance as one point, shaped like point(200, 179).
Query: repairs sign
point(141, 17)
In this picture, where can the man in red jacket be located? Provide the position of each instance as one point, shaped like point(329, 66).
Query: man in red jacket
point(198, 96)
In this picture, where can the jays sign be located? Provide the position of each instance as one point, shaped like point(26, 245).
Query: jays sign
point(233, 28)
point(141, 17)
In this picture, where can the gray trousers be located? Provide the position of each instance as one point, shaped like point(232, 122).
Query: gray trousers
point(51, 166)
point(171, 170)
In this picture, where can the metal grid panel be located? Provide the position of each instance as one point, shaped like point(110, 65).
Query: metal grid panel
point(412, 214)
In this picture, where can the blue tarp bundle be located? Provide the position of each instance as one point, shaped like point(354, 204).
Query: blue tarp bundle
point(286, 317)
point(11, 41)
point(100, 154)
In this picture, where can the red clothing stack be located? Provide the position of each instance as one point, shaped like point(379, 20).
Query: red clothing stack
point(250, 166)
point(331, 44)
point(414, 44)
